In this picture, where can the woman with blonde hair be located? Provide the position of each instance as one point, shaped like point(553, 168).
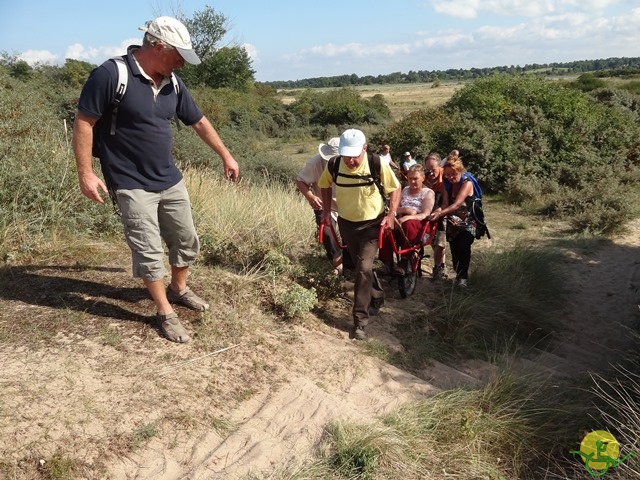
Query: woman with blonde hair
point(461, 227)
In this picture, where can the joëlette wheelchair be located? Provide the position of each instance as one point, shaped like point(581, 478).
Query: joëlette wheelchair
point(408, 258)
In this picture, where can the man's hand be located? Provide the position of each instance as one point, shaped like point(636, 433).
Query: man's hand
point(315, 202)
point(389, 221)
point(231, 169)
point(90, 186)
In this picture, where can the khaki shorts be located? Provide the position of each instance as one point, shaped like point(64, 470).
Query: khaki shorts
point(151, 217)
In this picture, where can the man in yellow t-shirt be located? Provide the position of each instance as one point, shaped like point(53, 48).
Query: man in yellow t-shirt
point(361, 212)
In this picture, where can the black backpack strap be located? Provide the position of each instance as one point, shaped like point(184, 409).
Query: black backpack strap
point(375, 168)
point(333, 166)
point(374, 177)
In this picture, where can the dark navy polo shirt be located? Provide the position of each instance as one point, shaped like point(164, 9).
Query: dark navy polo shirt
point(139, 155)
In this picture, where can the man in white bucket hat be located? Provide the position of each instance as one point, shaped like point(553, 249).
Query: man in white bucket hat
point(307, 184)
point(140, 174)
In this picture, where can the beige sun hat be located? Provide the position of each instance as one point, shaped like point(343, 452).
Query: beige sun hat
point(330, 149)
point(174, 33)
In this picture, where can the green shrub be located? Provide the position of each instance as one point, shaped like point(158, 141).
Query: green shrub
point(294, 300)
point(40, 193)
point(588, 82)
point(276, 265)
point(530, 126)
point(343, 106)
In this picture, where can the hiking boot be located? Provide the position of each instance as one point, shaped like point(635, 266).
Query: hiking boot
point(171, 327)
point(358, 333)
point(187, 298)
point(462, 283)
point(439, 273)
point(375, 305)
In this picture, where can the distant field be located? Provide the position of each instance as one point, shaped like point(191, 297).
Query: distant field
point(401, 98)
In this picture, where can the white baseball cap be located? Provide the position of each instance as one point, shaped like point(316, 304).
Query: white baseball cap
point(351, 143)
point(174, 33)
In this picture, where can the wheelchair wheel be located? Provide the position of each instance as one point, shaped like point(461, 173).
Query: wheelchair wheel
point(407, 282)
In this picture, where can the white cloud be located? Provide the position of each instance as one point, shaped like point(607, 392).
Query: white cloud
point(470, 9)
point(252, 51)
point(33, 57)
point(98, 55)
point(466, 9)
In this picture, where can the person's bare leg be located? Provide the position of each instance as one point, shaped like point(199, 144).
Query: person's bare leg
point(179, 293)
point(158, 293)
point(178, 278)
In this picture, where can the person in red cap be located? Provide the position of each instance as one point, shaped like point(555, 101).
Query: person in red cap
point(140, 173)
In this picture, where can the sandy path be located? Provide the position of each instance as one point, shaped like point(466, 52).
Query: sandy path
point(83, 397)
point(283, 424)
point(604, 305)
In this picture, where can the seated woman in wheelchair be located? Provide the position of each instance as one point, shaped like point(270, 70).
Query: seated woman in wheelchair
point(416, 204)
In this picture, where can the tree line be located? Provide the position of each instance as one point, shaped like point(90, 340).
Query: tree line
point(622, 65)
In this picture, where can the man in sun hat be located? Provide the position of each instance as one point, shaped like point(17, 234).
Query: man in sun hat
point(361, 212)
point(307, 184)
point(140, 174)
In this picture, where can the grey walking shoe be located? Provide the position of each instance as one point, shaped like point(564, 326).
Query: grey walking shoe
point(358, 333)
point(187, 298)
point(439, 273)
point(172, 328)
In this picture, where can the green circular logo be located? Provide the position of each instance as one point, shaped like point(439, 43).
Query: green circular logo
point(599, 445)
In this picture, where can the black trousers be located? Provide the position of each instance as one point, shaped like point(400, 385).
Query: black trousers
point(461, 253)
point(361, 239)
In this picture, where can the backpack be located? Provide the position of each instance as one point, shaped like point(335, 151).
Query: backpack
point(122, 81)
point(474, 205)
point(372, 179)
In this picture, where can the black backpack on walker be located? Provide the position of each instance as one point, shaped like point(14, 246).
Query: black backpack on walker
point(474, 205)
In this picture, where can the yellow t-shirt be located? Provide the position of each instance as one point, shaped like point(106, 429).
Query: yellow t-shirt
point(357, 204)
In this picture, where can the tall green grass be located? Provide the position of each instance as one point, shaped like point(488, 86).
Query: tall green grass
point(40, 196)
point(239, 224)
point(514, 300)
point(509, 429)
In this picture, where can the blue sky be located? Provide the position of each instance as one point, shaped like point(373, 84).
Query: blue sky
point(290, 40)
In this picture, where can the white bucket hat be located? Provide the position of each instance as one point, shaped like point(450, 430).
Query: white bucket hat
point(329, 149)
point(174, 33)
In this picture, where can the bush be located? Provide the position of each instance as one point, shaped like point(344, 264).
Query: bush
point(342, 106)
point(294, 300)
point(40, 192)
point(530, 126)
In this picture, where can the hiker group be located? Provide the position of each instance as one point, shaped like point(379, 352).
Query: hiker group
point(124, 119)
point(364, 196)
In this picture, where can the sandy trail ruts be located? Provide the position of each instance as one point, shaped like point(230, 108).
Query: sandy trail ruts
point(602, 312)
point(282, 425)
